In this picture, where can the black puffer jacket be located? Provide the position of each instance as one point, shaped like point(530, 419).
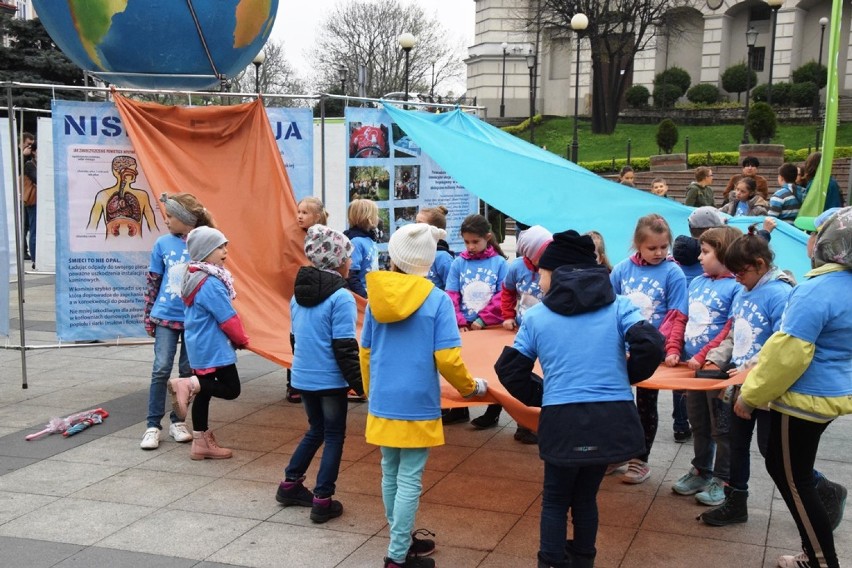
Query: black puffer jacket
point(313, 286)
point(586, 433)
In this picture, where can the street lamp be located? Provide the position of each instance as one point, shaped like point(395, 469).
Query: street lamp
point(406, 42)
point(531, 60)
point(775, 5)
point(579, 22)
point(751, 40)
point(341, 74)
point(257, 62)
point(505, 47)
point(822, 23)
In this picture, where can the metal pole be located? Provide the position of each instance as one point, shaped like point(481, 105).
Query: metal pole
point(322, 148)
point(532, 104)
point(771, 55)
point(406, 77)
point(575, 143)
point(19, 251)
point(815, 113)
point(257, 77)
point(503, 88)
point(745, 139)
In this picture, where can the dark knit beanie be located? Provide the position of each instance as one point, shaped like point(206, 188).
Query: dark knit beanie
point(568, 248)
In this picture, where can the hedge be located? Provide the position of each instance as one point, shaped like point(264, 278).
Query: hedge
point(525, 125)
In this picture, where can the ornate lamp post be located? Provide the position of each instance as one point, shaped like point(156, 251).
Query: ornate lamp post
point(406, 42)
point(775, 5)
point(751, 40)
point(531, 61)
point(822, 23)
point(257, 62)
point(505, 47)
point(579, 22)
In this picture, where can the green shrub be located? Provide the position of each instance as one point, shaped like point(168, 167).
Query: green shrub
point(703, 93)
point(713, 159)
point(666, 95)
point(803, 94)
point(612, 166)
point(761, 122)
point(637, 96)
point(811, 72)
point(735, 79)
point(780, 93)
point(667, 135)
point(522, 127)
point(674, 76)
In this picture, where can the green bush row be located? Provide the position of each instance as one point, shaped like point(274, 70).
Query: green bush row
point(701, 159)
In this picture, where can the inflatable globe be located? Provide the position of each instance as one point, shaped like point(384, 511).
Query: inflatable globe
point(157, 44)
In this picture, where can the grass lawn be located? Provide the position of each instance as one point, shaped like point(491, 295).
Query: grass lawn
point(555, 134)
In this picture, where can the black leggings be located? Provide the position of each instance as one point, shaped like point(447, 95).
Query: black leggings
point(646, 404)
point(790, 458)
point(224, 382)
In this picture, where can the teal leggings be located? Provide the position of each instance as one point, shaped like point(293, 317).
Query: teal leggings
point(402, 473)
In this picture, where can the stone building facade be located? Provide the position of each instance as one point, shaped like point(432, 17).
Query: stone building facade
point(708, 41)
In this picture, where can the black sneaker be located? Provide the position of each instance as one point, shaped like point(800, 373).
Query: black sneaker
point(421, 546)
point(681, 437)
point(525, 436)
point(454, 415)
point(489, 419)
point(324, 509)
point(294, 493)
point(833, 497)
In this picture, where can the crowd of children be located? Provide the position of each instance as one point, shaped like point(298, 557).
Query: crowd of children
point(712, 301)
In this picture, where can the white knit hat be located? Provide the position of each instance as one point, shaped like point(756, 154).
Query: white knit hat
point(203, 240)
point(412, 247)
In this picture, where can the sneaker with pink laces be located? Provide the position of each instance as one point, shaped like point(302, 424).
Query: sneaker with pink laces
point(614, 467)
point(798, 561)
point(637, 472)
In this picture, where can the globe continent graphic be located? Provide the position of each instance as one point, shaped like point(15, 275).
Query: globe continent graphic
point(155, 44)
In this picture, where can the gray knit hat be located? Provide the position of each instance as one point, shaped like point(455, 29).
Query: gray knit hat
point(202, 241)
point(705, 218)
point(326, 248)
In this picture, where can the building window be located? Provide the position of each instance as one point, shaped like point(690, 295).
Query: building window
point(758, 58)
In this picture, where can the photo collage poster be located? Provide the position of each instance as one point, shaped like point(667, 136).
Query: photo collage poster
point(108, 219)
point(388, 167)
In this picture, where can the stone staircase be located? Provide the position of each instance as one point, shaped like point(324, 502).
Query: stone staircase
point(844, 109)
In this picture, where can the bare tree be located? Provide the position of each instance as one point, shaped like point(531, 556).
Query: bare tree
point(359, 32)
point(276, 75)
point(617, 31)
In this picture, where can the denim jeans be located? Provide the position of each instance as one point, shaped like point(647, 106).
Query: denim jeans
point(327, 424)
point(741, 434)
point(711, 442)
point(165, 348)
point(574, 489)
point(679, 414)
point(402, 475)
point(30, 212)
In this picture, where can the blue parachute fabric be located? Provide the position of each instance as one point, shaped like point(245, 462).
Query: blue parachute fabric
point(537, 187)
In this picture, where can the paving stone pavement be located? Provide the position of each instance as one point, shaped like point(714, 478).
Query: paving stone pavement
point(97, 499)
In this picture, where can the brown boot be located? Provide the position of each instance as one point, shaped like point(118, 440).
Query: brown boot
point(182, 391)
point(204, 446)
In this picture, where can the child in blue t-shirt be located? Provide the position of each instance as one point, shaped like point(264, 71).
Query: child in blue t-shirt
point(363, 220)
point(164, 310)
point(409, 337)
point(212, 330)
point(325, 366)
point(710, 298)
point(474, 285)
point(437, 217)
point(656, 285)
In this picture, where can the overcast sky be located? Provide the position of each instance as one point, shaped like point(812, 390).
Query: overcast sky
point(297, 22)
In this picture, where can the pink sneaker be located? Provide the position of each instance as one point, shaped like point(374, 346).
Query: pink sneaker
point(637, 472)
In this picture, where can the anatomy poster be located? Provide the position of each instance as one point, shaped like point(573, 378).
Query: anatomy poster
point(385, 165)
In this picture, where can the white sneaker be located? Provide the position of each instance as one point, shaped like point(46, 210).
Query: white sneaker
point(798, 561)
point(151, 439)
point(178, 431)
point(637, 472)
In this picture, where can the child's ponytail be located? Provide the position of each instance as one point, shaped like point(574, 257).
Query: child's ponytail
point(479, 225)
